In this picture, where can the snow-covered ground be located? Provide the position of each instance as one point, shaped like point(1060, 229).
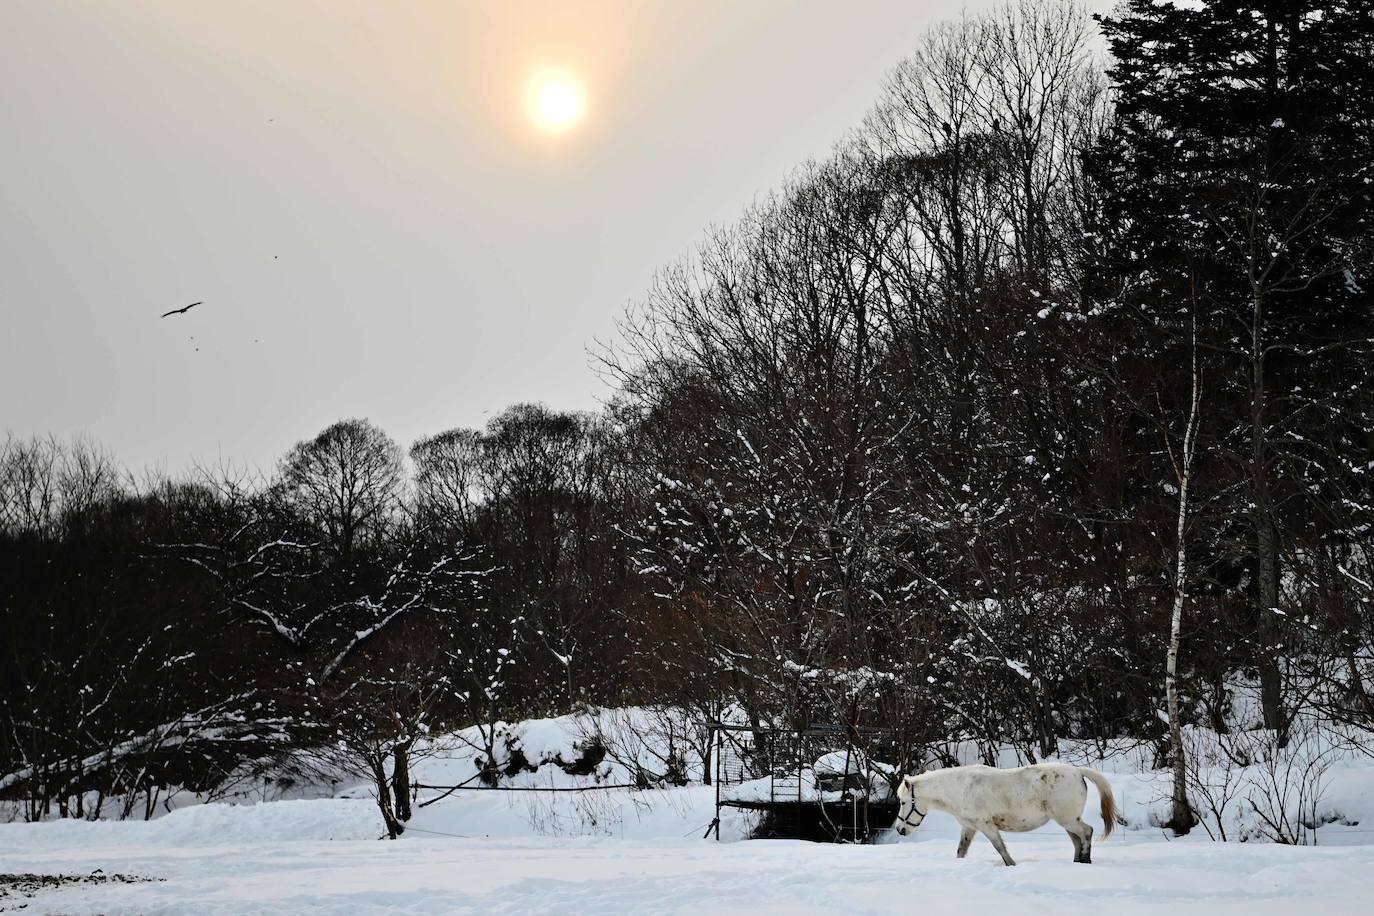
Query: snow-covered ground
point(627, 851)
point(320, 856)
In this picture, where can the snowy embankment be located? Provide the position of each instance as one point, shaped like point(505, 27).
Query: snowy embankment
point(619, 850)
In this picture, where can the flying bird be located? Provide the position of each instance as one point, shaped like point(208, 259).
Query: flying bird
point(182, 310)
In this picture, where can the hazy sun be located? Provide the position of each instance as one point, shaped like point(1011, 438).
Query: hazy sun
point(556, 100)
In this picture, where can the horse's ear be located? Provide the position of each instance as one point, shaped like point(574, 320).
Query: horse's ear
point(911, 780)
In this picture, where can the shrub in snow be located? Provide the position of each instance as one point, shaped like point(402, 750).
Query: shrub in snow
point(1247, 786)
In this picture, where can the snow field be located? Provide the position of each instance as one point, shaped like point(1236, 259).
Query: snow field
point(236, 872)
point(626, 851)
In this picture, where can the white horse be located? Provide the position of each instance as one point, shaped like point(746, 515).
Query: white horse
point(989, 800)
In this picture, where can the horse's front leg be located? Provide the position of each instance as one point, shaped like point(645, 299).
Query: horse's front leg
point(995, 837)
point(965, 839)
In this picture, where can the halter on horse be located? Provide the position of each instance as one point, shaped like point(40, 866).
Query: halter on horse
point(904, 820)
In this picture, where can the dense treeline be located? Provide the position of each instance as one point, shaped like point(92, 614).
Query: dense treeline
point(1040, 409)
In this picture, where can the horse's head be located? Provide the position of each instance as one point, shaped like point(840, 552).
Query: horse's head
point(909, 814)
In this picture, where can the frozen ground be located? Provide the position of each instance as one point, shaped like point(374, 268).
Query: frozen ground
point(320, 856)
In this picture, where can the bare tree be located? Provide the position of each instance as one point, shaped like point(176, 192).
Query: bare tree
point(346, 482)
point(448, 482)
point(1182, 816)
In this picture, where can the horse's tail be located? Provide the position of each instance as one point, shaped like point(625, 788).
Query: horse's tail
point(1104, 794)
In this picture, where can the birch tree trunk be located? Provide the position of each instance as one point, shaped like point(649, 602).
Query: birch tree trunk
point(1181, 815)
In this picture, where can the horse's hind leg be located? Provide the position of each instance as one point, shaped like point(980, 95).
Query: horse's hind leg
point(1081, 833)
point(1077, 847)
point(995, 838)
point(965, 839)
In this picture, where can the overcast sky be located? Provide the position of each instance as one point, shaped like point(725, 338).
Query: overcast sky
point(357, 194)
